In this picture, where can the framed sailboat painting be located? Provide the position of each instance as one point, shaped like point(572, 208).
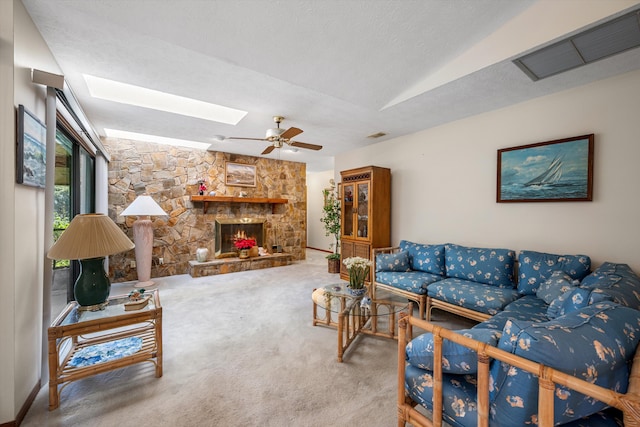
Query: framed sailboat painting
point(552, 171)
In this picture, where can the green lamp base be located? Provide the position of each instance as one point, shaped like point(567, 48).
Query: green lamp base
point(92, 287)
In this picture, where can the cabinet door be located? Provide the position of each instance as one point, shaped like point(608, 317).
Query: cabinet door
point(347, 250)
point(362, 213)
point(348, 191)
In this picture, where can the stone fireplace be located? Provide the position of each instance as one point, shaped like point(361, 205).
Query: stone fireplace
point(229, 230)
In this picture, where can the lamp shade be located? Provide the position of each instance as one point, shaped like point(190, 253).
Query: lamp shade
point(143, 205)
point(90, 236)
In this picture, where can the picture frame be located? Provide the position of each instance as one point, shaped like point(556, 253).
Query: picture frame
point(240, 175)
point(553, 171)
point(31, 149)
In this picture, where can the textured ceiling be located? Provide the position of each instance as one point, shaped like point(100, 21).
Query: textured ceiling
point(338, 69)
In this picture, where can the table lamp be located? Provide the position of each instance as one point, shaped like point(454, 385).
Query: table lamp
point(143, 207)
point(89, 239)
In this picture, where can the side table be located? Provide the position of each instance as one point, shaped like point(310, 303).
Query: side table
point(76, 338)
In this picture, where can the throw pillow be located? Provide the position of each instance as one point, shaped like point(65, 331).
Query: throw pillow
point(556, 285)
point(572, 300)
point(398, 261)
point(456, 358)
point(427, 258)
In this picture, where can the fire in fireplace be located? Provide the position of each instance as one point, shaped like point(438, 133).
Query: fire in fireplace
point(229, 230)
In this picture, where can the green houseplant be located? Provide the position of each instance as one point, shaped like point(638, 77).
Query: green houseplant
point(331, 220)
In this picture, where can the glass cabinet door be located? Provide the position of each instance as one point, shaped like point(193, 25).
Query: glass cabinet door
point(363, 210)
point(347, 209)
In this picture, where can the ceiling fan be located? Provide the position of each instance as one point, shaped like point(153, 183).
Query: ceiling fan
point(279, 137)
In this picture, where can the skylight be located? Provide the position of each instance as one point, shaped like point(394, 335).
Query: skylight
point(115, 133)
point(111, 90)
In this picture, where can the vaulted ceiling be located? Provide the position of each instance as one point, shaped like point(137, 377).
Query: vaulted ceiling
point(338, 69)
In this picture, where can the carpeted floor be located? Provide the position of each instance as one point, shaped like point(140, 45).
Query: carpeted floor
point(240, 350)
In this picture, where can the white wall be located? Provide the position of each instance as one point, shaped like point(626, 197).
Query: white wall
point(7, 234)
point(23, 246)
point(316, 182)
point(444, 179)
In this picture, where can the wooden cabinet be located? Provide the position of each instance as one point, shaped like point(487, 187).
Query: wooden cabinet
point(365, 200)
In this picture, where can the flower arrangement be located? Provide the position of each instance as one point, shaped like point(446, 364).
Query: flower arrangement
point(244, 243)
point(358, 269)
point(202, 188)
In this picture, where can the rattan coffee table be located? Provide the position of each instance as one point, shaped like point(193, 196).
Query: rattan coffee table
point(85, 343)
point(335, 307)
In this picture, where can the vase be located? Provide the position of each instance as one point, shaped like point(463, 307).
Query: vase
point(244, 253)
point(356, 292)
point(202, 254)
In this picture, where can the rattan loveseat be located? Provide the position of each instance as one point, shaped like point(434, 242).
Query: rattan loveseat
point(567, 362)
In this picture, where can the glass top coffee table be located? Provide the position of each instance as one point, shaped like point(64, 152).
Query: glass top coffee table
point(335, 307)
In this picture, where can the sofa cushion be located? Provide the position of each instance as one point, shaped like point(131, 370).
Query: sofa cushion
point(412, 281)
point(427, 258)
point(459, 395)
point(594, 343)
point(482, 265)
point(472, 295)
point(527, 307)
point(398, 261)
point(618, 281)
point(537, 267)
point(556, 285)
point(456, 358)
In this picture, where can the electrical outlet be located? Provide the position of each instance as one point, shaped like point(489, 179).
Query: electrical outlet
point(160, 261)
point(133, 264)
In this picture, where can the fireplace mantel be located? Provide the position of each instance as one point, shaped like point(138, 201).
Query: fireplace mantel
point(232, 199)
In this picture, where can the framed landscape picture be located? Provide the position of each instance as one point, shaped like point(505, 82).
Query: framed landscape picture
point(240, 175)
point(31, 149)
point(552, 171)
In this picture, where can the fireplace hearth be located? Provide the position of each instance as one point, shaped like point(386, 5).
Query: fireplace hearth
point(228, 231)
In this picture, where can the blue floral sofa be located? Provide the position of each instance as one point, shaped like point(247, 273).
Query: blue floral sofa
point(476, 283)
point(588, 328)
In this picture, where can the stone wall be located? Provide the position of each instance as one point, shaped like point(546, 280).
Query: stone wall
point(171, 174)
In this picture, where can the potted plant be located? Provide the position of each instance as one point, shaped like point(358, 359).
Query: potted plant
point(358, 270)
point(331, 220)
point(243, 245)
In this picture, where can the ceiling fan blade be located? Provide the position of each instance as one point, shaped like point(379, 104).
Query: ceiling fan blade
point(290, 133)
point(250, 139)
point(268, 149)
point(305, 145)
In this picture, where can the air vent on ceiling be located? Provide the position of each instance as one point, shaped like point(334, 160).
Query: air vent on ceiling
point(377, 135)
point(610, 38)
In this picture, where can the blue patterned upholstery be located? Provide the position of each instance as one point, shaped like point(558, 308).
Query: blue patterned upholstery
point(412, 281)
point(595, 343)
point(427, 258)
point(618, 281)
point(482, 265)
point(456, 358)
point(556, 285)
point(459, 395)
point(536, 267)
point(472, 295)
point(398, 262)
point(526, 308)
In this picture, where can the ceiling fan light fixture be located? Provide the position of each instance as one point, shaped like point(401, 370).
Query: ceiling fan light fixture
point(274, 133)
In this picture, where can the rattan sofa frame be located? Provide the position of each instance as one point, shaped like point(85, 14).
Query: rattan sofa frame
point(421, 300)
point(629, 403)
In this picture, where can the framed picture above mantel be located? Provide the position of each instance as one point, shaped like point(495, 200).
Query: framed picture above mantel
point(240, 174)
point(551, 171)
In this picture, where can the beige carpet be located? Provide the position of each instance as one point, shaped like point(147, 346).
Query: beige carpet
point(240, 350)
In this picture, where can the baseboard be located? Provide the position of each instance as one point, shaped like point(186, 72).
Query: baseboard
point(315, 249)
point(25, 407)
